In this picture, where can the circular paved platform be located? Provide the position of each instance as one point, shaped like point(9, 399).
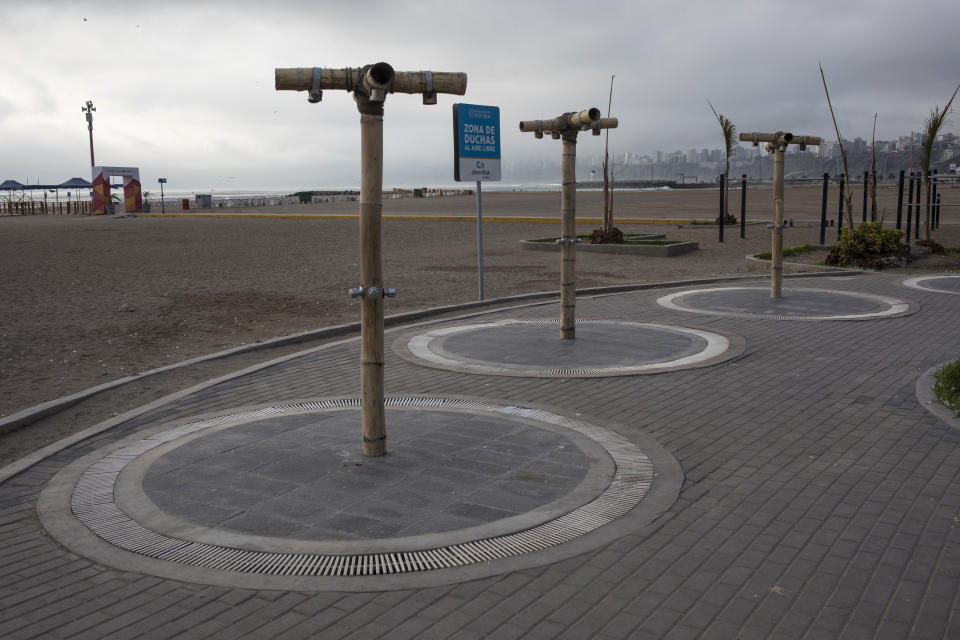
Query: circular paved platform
point(279, 497)
point(940, 284)
point(796, 304)
point(535, 348)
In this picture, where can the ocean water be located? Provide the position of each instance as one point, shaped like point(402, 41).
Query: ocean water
point(268, 192)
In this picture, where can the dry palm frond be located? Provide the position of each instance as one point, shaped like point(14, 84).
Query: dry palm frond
point(847, 194)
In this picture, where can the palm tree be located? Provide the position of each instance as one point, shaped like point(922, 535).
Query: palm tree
point(729, 138)
point(931, 129)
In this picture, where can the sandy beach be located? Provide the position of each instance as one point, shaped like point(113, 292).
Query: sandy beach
point(88, 300)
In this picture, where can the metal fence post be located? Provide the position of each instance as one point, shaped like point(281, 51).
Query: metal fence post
point(823, 210)
point(722, 221)
point(840, 218)
point(743, 206)
point(900, 200)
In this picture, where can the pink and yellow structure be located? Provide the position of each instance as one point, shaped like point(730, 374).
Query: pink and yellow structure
point(132, 196)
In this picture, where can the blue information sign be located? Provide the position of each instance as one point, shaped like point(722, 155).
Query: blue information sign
point(476, 142)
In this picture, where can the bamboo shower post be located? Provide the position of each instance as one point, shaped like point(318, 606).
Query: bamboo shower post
point(566, 127)
point(777, 143)
point(370, 86)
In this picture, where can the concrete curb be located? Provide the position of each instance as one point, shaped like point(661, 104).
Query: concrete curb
point(763, 266)
point(634, 249)
point(928, 400)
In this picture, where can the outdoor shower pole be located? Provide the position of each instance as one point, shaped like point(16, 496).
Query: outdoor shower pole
point(371, 275)
point(776, 252)
point(568, 235)
point(370, 85)
point(566, 127)
point(777, 143)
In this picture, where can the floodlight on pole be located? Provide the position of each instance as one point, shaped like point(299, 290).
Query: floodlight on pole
point(89, 109)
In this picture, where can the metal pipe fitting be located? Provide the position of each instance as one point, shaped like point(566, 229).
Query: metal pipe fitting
point(585, 117)
point(376, 81)
point(429, 95)
point(316, 94)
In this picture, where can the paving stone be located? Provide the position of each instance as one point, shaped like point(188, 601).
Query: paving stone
point(826, 480)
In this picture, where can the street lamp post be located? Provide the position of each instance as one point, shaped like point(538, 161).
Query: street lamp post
point(89, 109)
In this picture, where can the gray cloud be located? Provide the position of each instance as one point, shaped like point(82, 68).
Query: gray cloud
point(186, 89)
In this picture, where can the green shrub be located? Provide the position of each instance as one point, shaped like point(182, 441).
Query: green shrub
point(947, 387)
point(789, 251)
point(869, 246)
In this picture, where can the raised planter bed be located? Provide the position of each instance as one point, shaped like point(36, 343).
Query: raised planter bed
point(645, 245)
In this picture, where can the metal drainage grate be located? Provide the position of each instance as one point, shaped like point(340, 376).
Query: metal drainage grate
point(419, 348)
point(918, 283)
point(895, 306)
point(93, 504)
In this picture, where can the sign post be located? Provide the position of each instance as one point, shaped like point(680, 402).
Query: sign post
point(476, 156)
point(163, 205)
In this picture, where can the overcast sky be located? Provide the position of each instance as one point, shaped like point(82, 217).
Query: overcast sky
point(185, 89)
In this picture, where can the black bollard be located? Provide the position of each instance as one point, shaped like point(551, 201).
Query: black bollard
point(823, 210)
point(910, 208)
point(900, 200)
point(840, 219)
point(743, 206)
point(722, 220)
point(916, 208)
point(866, 180)
point(935, 197)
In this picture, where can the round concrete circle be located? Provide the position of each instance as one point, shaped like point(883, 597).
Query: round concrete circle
point(535, 348)
point(512, 487)
point(796, 304)
point(940, 284)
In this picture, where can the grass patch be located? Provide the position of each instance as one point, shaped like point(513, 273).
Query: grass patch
point(947, 386)
point(952, 251)
point(789, 251)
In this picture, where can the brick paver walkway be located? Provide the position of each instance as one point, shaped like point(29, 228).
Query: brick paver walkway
point(819, 501)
